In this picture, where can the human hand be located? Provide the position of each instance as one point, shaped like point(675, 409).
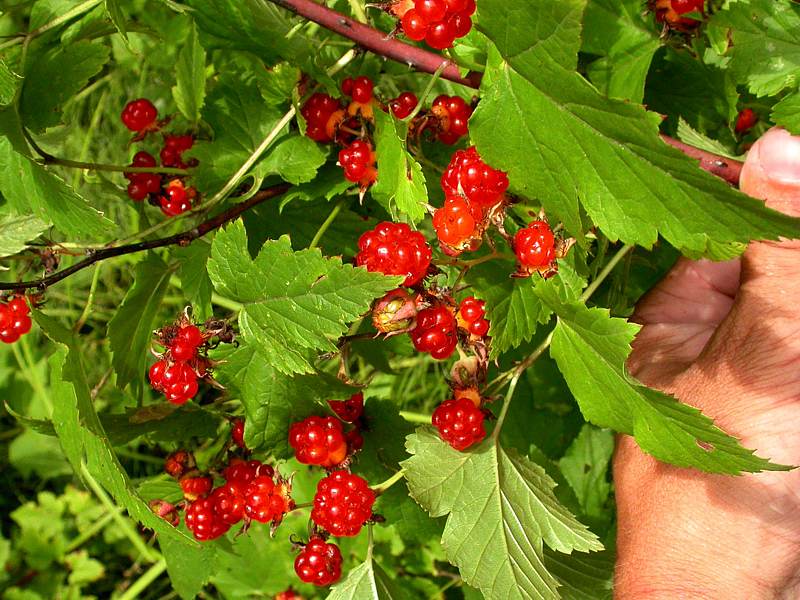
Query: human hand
point(724, 337)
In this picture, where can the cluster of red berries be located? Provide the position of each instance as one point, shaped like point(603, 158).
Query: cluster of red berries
point(15, 320)
point(536, 249)
point(436, 331)
point(460, 420)
point(673, 13)
point(438, 22)
point(183, 361)
point(472, 316)
point(473, 190)
point(172, 196)
point(447, 119)
point(745, 120)
point(358, 161)
point(394, 249)
point(343, 501)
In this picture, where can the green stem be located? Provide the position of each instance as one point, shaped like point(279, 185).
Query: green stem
point(413, 417)
point(357, 6)
point(123, 524)
point(506, 403)
point(80, 9)
point(96, 527)
point(144, 581)
point(90, 300)
point(77, 164)
point(87, 139)
point(222, 301)
point(28, 366)
point(324, 227)
point(602, 275)
point(426, 92)
point(382, 487)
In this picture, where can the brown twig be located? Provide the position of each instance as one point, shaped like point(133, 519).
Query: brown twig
point(428, 62)
point(179, 239)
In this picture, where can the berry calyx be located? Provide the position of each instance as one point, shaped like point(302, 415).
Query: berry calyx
point(534, 246)
point(460, 423)
point(394, 249)
point(468, 175)
point(322, 113)
point(349, 410)
point(456, 222)
point(342, 504)
point(203, 521)
point(435, 332)
point(403, 105)
point(358, 161)
point(318, 441)
point(745, 120)
point(139, 115)
point(395, 312)
point(453, 115)
point(319, 563)
point(470, 316)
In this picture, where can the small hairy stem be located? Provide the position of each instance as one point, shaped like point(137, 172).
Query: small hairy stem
point(382, 487)
point(141, 584)
point(414, 417)
point(180, 239)
point(324, 227)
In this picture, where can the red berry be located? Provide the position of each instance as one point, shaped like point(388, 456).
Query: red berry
point(534, 245)
point(318, 441)
point(266, 501)
point(453, 114)
point(431, 10)
point(672, 11)
point(319, 111)
point(467, 174)
point(456, 6)
point(203, 521)
point(403, 105)
point(357, 160)
point(362, 89)
point(435, 332)
point(139, 115)
point(195, 486)
point(347, 86)
point(177, 198)
point(461, 24)
point(440, 35)
point(414, 25)
point(237, 433)
point(393, 249)
point(241, 472)
point(471, 313)
point(319, 563)
point(187, 340)
point(229, 503)
point(137, 191)
point(348, 410)
point(19, 305)
point(354, 440)
point(174, 146)
point(745, 121)
point(460, 423)
point(394, 312)
point(455, 222)
point(156, 374)
point(342, 504)
point(288, 594)
point(178, 381)
point(178, 463)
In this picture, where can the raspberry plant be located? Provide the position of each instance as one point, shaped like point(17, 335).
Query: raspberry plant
point(372, 343)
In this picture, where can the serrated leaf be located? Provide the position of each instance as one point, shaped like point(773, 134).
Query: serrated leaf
point(591, 348)
point(694, 138)
point(401, 184)
point(16, 231)
point(764, 48)
point(81, 434)
point(274, 400)
point(114, 11)
point(190, 77)
point(182, 565)
point(55, 76)
point(786, 113)
point(130, 331)
point(617, 31)
point(585, 466)
point(295, 302)
point(512, 306)
point(295, 158)
point(195, 282)
point(30, 188)
point(502, 511)
point(8, 83)
point(367, 582)
point(562, 141)
point(583, 576)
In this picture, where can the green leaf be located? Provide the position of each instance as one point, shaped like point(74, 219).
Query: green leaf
point(294, 158)
point(190, 77)
point(182, 565)
point(584, 576)
point(51, 78)
point(83, 569)
point(618, 32)
point(763, 45)
point(130, 331)
point(16, 231)
point(114, 11)
point(367, 582)
point(81, 434)
point(295, 302)
point(591, 348)
point(694, 138)
point(30, 189)
point(502, 512)
point(8, 83)
point(786, 113)
point(401, 184)
point(196, 284)
point(274, 400)
point(585, 467)
point(562, 141)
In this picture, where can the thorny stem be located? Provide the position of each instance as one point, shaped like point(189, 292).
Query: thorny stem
point(180, 239)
